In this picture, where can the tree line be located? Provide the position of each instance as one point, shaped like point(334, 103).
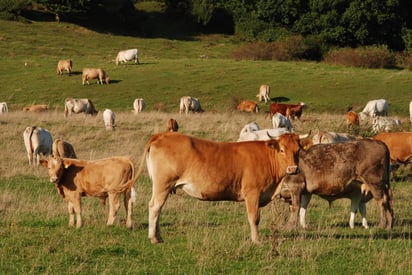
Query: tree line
point(341, 23)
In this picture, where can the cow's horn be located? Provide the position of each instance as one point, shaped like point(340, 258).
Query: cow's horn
point(272, 137)
point(304, 136)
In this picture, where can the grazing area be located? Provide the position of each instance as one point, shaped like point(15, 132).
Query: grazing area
point(200, 237)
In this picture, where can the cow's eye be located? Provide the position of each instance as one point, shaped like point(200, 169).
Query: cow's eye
point(282, 150)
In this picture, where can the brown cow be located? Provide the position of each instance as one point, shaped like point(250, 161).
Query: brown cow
point(36, 108)
point(289, 110)
point(172, 125)
point(64, 65)
point(399, 145)
point(99, 178)
point(358, 170)
point(248, 106)
point(214, 171)
point(352, 119)
point(63, 149)
point(91, 73)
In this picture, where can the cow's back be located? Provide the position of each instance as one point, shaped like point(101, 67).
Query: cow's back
point(399, 145)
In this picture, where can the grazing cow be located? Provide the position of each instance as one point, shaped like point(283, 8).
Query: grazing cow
point(109, 119)
point(188, 103)
point(264, 93)
point(63, 149)
point(139, 105)
point(172, 125)
point(127, 55)
point(289, 110)
point(377, 107)
point(399, 145)
point(37, 141)
point(214, 171)
point(358, 170)
point(82, 105)
point(324, 137)
point(248, 106)
point(251, 131)
point(3, 108)
point(91, 73)
point(36, 108)
point(64, 65)
point(281, 121)
point(380, 123)
point(352, 119)
point(97, 178)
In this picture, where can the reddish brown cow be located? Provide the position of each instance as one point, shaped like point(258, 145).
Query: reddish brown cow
point(289, 110)
point(399, 145)
point(352, 119)
point(248, 106)
point(358, 170)
point(215, 171)
point(36, 108)
point(172, 125)
point(63, 149)
point(99, 178)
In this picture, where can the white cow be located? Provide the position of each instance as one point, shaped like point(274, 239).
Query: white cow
point(79, 105)
point(37, 141)
point(264, 92)
point(3, 108)
point(410, 111)
point(251, 131)
point(325, 137)
point(139, 105)
point(377, 107)
point(281, 121)
point(188, 103)
point(109, 119)
point(380, 123)
point(127, 55)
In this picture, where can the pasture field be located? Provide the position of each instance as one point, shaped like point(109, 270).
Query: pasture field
point(200, 237)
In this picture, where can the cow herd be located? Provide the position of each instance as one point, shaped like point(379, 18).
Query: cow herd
point(263, 164)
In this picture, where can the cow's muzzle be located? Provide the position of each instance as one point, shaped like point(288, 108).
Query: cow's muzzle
point(292, 170)
point(53, 179)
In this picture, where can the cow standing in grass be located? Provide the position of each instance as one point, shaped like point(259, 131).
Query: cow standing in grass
point(127, 55)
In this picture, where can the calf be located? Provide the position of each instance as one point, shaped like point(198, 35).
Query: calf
point(63, 149)
point(264, 93)
point(109, 119)
point(172, 125)
point(138, 105)
point(248, 106)
point(36, 108)
point(352, 119)
point(98, 178)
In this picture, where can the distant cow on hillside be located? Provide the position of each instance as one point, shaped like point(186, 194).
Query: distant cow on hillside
point(91, 73)
point(82, 105)
point(264, 93)
point(188, 103)
point(64, 65)
point(127, 55)
point(248, 106)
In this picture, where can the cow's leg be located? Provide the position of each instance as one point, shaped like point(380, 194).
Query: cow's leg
point(253, 215)
point(354, 206)
point(386, 220)
point(114, 205)
point(155, 206)
point(129, 199)
point(77, 205)
point(70, 207)
point(305, 199)
point(362, 210)
point(294, 210)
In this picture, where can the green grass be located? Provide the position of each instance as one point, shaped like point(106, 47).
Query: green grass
point(200, 237)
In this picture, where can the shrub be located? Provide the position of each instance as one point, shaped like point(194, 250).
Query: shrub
point(364, 57)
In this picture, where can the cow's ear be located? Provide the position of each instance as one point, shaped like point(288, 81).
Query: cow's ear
point(44, 162)
point(67, 164)
point(273, 144)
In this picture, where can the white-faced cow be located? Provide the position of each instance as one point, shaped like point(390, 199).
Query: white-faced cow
point(127, 55)
point(91, 73)
point(383, 123)
point(79, 105)
point(358, 170)
point(172, 125)
point(214, 171)
point(63, 149)
point(377, 107)
point(138, 105)
point(248, 106)
point(281, 121)
point(38, 141)
point(64, 65)
point(188, 103)
point(264, 93)
point(3, 108)
point(324, 137)
point(109, 119)
point(97, 178)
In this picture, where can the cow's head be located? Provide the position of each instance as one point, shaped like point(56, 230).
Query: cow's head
point(56, 166)
point(287, 147)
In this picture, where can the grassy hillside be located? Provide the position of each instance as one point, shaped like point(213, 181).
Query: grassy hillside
point(200, 237)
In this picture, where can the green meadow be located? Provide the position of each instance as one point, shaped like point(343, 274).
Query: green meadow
point(200, 237)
